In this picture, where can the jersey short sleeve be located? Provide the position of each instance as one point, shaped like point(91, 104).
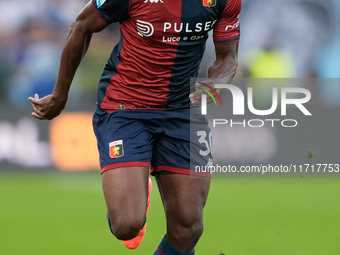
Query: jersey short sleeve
point(227, 28)
point(112, 10)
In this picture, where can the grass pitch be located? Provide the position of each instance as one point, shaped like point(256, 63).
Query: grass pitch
point(47, 213)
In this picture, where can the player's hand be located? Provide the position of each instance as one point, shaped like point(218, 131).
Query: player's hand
point(196, 96)
point(46, 108)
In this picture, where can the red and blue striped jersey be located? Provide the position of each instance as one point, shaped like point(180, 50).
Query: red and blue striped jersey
point(161, 47)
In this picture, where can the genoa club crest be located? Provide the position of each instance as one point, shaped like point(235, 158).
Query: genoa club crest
point(209, 3)
point(116, 149)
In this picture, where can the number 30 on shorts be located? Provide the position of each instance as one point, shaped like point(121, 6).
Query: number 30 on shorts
point(207, 141)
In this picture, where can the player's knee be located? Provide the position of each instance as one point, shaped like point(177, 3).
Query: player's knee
point(188, 234)
point(187, 231)
point(126, 229)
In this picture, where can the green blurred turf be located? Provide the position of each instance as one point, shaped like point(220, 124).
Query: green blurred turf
point(64, 213)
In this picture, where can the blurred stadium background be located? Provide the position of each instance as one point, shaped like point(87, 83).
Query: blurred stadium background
point(50, 191)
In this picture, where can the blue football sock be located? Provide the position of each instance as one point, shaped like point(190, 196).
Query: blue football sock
point(165, 248)
point(109, 222)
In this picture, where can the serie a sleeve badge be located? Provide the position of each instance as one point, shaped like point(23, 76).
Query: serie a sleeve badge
point(209, 3)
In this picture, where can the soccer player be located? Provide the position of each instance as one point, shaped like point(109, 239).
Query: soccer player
point(142, 117)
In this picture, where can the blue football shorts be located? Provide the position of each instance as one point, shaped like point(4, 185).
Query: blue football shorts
point(166, 141)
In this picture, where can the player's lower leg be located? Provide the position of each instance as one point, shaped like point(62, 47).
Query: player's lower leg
point(136, 241)
point(165, 248)
point(183, 199)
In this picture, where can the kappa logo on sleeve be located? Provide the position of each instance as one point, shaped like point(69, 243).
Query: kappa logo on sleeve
point(116, 149)
point(100, 3)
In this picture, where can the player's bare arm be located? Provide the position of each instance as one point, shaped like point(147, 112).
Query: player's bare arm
point(76, 45)
point(225, 65)
point(223, 69)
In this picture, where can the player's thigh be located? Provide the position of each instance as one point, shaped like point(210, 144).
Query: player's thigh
point(126, 192)
point(183, 145)
point(123, 140)
point(183, 198)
